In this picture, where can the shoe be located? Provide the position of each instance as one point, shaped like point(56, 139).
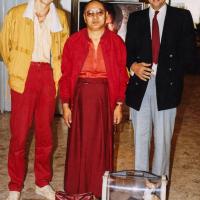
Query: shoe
point(46, 191)
point(13, 195)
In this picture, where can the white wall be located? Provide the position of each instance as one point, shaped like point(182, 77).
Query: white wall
point(192, 5)
point(66, 4)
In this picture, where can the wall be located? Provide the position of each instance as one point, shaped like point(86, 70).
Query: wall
point(66, 4)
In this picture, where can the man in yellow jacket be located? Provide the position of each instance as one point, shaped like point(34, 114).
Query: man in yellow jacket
point(31, 44)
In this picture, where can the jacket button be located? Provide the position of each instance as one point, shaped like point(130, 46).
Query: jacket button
point(170, 69)
point(171, 55)
point(171, 83)
point(136, 83)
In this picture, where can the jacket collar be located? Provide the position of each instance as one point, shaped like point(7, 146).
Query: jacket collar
point(55, 22)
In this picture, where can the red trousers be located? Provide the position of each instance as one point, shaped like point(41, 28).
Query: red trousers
point(90, 140)
point(36, 103)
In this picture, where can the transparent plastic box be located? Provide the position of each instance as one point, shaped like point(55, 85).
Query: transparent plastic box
point(133, 185)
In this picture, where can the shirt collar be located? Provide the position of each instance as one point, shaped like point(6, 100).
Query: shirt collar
point(55, 25)
point(162, 10)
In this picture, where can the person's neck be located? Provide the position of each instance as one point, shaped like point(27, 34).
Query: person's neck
point(95, 36)
point(158, 8)
point(41, 10)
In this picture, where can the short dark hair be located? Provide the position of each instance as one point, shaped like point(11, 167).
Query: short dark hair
point(91, 1)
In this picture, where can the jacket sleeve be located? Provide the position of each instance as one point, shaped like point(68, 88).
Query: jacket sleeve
point(131, 41)
point(64, 34)
point(66, 31)
point(187, 44)
point(66, 68)
point(123, 72)
point(0, 49)
point(5, 38)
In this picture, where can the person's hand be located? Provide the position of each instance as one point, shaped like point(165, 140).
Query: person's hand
point(117, 114)
point(142, 70)
point(67, 114)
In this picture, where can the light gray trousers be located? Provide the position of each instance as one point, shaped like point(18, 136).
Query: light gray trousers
point(149, 120)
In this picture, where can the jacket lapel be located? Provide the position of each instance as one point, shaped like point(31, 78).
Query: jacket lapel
point(166, 30)
point(147, 27)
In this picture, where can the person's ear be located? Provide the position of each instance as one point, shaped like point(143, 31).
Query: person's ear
point(106, 13)
point(84, 17)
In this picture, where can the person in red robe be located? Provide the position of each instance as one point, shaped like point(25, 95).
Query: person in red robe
point(92, 90)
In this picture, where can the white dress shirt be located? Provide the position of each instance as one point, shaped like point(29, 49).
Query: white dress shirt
point(161, 19)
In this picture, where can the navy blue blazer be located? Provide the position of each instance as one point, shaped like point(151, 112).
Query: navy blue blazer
point(176, 53)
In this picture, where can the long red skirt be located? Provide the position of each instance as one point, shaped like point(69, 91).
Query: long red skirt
point(90, 140)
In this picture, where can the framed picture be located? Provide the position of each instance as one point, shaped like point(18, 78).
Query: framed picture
point(118, 13)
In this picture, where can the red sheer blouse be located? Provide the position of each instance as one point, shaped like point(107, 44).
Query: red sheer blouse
point(94, 66)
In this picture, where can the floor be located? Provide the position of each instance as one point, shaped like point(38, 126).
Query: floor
point(185, 176)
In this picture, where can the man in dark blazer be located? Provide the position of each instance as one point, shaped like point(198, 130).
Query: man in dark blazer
point(160, 45)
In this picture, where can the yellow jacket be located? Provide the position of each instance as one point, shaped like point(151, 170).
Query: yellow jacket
point(17, 42)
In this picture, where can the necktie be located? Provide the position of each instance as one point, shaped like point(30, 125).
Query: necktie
point(155, 38)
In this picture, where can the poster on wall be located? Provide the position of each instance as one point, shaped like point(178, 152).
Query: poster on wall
point(118, 13)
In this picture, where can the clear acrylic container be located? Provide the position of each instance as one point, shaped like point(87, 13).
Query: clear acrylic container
point(133, 185)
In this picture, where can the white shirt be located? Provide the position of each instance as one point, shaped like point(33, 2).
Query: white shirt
point(161, 19)
point(55, 25)
point(42, 40)
point(42, 31)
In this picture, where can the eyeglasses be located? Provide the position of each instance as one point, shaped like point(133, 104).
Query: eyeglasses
point(95, 12)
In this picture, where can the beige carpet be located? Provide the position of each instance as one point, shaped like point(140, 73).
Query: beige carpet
point(185, 179)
